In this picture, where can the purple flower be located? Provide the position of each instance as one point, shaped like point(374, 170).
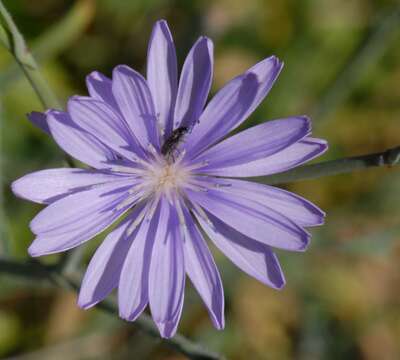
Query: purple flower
point(159, 160)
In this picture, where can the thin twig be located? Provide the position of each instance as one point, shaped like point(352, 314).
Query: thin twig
point(34, 270)
point(14, 41)
point(55, 40)
point(390, 157)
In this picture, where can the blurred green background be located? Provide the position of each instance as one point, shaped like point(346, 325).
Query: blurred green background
point(342, 298)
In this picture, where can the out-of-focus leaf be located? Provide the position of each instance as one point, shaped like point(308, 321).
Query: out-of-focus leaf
point(378, 243)
point(57, 39)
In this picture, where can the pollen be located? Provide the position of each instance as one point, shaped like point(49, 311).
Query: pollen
point(167, 178)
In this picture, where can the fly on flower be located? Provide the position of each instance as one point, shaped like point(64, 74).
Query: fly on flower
point(157, 154)
point(170, 145)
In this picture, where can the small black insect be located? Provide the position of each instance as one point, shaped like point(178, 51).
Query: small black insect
point(171, 144)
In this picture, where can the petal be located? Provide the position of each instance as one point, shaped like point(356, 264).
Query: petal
point(133, 287)
point(168, 329)
point(162, 74)
point(167, 272)
point(233, 104)
point(100, 120)
point(136, 104)
point(104, 269)
point(253, 219)
point(77, 218)
point(100, 88)
point(296, 208)
point(39, 119)
point(202, 271)
point(294, 155)
point(194, 83)
point(253, 257)
point(77, 142)
point(256, 143)
point(47, 186)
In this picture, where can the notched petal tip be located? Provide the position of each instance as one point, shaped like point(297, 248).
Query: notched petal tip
point(86, 304)
point(218, 324)
point(39, 119)
point(325, 146)
point(278, 64)
point(78, 99)
point(307, 124)
point(167, 329)
point(162, 23)
point(17, 187)
point(208, 42)
point(96, 75)
point(129, 317)
point(123, 315)
point(281, 285)
point(129, 314)
point(305, 243)
point(34, 250)
point(124, 69)
point(34, 226)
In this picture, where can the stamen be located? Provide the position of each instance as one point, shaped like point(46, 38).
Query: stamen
point(139, 160)
point(222, 185)
point(209, 184)
point(168, 195)
point(181, 217)
point(129, 201)
point(180, 157)
point(160, 126)
point(192, 185)
point(198, 184)
point(137, 188)
point(153, 207)
point(137, 221)
point(203, 215)
point(199, 165)
point(154, 152)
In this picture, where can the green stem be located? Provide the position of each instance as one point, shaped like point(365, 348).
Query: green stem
point(15, 43)
point(35, 271)
point(55, 40)
point(390, 157)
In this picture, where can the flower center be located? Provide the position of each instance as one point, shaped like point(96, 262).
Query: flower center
point(167, 177)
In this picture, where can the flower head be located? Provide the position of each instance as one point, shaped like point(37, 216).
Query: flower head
point(160, 161)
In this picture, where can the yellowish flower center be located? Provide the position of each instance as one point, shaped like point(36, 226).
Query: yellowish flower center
point(167, 177)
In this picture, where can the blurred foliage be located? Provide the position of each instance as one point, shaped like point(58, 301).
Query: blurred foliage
point(342, 298)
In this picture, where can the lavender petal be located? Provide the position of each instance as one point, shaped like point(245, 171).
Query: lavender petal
point(233, 104)
point(136, 105)
point(162, 74)
point(296, 208)
point(46, 186)
point(253, 219)
point(133, 290)
point(167, 272)
point(104, 269)
point(202, 271)
point(256, 143)
point(100, 120)
point(77, 218)
point(100, 88)
point(39, 119)
point(194, 84)
point(252, 257)
point(77, 142)
point(293, 156)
